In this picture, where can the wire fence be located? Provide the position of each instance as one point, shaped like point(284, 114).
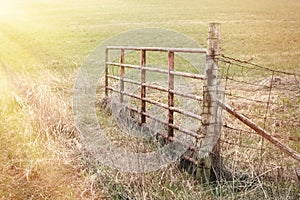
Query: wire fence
point(271, 99)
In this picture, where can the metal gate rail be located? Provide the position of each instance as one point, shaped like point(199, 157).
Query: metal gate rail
point(143, 84)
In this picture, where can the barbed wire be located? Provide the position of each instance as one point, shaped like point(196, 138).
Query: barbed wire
point(252, 64)
point(239, 87)
point(251, 132)
point(257, 101)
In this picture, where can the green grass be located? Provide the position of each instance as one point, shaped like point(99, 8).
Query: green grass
point(42, 45)
point(67, 32)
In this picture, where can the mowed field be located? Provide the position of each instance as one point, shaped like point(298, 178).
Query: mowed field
point(43, 43)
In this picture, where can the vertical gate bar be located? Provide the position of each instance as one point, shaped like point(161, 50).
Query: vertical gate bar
point(170, 94)
point(106, 72)
point(122, 72)
point(143, 88)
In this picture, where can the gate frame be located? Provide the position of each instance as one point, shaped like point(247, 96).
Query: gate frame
point(210, 115)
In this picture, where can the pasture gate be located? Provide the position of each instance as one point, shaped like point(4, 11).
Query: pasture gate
point(204, 150)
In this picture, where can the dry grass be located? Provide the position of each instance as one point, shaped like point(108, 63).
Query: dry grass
point(271, 176)
point(40, 154)
point(267, 174)
point(42, 157)
point(245, 151)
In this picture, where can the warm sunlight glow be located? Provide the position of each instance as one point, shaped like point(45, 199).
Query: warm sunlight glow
point(7, 9)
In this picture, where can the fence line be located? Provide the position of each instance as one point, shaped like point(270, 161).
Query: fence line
point(233, 72)
point(268, 97)
point(262, 132)
point(263, 94)
point(239, 62)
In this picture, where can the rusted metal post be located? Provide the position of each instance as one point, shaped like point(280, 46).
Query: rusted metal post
point(122, 72)
point(143, 87)
point(170, 94)
point(210, 118)
point(106, 72)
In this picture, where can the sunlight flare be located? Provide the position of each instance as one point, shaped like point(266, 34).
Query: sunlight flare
point(6, 7)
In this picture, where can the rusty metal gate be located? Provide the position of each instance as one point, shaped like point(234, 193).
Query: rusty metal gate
point(170, 91)
point(209, 127)
point(209, 118)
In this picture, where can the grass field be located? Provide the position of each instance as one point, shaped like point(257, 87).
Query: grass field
point(42, 45)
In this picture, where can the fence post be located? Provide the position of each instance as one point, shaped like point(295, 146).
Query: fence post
point(122, 72)
point(210, 120)
point(143, 87)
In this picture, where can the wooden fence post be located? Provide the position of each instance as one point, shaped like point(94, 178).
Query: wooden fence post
point(210, 119)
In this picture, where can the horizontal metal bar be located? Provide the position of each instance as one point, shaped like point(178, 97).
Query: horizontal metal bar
point(173, 139)
point(125, 65)
point(164, 71)
point(113, 77)
point(112, 89)
point(188, 132)
point(156, 87)
point(186, 113)
point(133, 109)
point(138, 67)
point(138, 97)
point(124, 93)
point(162, 105)
point(188, 75)
point(164, 49)
point(124, 79)
point(178, 128)
point(183, 74)
point(154, 118)
point(191, 96)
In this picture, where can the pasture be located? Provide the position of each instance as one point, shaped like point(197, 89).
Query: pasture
point(43, 44)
